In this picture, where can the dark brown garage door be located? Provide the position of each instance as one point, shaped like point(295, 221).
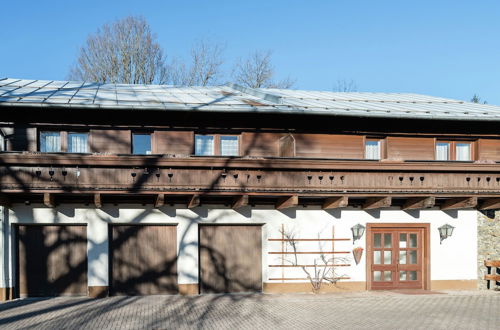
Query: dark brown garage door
point(52, 260)
point(230, 258)
point(143, 259)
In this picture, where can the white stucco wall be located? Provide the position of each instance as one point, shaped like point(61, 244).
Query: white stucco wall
point(454, 259)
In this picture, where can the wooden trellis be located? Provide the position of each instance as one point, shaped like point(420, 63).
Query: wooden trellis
point(283, 252)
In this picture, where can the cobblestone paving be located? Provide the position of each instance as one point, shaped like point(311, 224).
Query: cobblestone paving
point(368, 310)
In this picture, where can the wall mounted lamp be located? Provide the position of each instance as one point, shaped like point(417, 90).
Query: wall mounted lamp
point(357, 232)
point(445, 231)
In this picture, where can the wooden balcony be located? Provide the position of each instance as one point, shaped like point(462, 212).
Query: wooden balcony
point(265, 177)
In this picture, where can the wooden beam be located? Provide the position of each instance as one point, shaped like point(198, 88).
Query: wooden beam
point(4, 200)
point(48, 200)
point(377, 202)
point(419, 203)
point(335, 202)
point(194, 201)
point(160, 200)
point(287, 202)
point(459, 203)
point(97, 201)
point(490, 204)
point(240, 201)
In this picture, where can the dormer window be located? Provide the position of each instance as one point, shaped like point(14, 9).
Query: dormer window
point(373, 149)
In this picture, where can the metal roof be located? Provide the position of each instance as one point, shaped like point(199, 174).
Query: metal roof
point(235, 98)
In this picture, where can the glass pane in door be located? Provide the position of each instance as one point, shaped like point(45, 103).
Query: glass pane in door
point(413, 257)
point(377, 257)
point(377, 275)
point(402, 257)
point(402, 241)
point(387, 240)
point(413, 240)
point(377, 240)
point(387, 257)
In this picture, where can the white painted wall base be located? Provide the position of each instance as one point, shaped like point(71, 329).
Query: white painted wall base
point(454, 259)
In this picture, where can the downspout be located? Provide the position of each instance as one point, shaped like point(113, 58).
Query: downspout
point(4, 250)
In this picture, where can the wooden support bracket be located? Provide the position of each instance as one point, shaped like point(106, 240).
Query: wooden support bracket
point(48, 200)
point(419, 203)
point(377, 202)
point(160, 200)
point(335, 202)
point(459, 203)
point(240, 201)
point(97, 201)
point(194, 201)
point(490, 204)
point(287, 202)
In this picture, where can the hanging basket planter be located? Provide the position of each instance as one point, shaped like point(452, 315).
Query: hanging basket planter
point(357, 253)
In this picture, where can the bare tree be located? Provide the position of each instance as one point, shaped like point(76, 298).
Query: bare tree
point(257, 71)
point(205, 67)
point(343, 85)
point(123, 52)
point(323, 269)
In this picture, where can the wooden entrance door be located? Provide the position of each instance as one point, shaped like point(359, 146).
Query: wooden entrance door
point(397, 257)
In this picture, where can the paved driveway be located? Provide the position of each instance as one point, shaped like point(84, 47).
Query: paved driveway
point(368, 310)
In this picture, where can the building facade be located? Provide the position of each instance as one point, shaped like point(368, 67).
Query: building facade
point(129, 189)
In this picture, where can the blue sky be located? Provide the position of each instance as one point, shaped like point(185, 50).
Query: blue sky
point(442, 48)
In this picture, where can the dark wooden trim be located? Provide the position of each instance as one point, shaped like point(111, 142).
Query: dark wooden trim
point(335, 202)
point(419, 203)
point(426, 253)
point(287, 202)
point(459, 203)
point(377, 202)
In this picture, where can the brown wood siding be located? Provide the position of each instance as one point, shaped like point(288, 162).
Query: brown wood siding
point(110, 141)
point(174, 142)
point(329, 146)
point(406, 148)
point(52, 260)
point(24, 138)
point(230, 258)
point(489, 149)
point(260, 144)
point(143, 259)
